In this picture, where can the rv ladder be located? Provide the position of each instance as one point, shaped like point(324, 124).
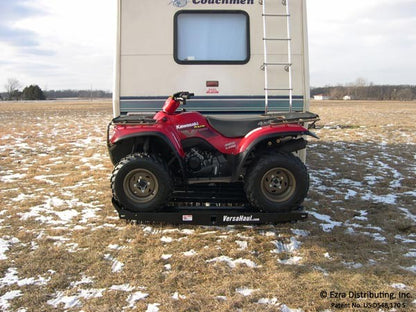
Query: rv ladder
point(286, 65)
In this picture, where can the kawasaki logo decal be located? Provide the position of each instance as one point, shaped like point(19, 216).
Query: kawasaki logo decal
point(241, 218)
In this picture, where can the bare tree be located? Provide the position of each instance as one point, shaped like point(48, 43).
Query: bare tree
point(12, 88)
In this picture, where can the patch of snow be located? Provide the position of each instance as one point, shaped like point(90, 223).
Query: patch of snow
point(133, 298)
point(188, 231)
point(301, 233)
point(166, 239)
point(411, 254)
point(233, 263)
point(410, 269)
point(208, 233)
point(329, 225)
point(352, 265)
point(168, 267)
point(91, 293)
point(290, 247)
point(123, 287)
point(166, 257)
point(291, 261)
point(9, 278)
point(398, 285)
point(84, 280)
point(350, 194)
point(389, 199)
point(189, 253)
point(153, 307)
point(10, 295)
point(408, 214)
point(177, 296)
point(362, 216)
point(242, 245)
point(116, 266)
point(22, 197)
point(221, 298)
point(268, 301)
point(405, 239)
point(69, 302)
point(285, 308)
point(5, 244)
point(244, 291)
point(12, 178)
point(115, 247)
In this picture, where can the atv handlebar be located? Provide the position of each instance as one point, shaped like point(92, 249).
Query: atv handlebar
point(182, 96)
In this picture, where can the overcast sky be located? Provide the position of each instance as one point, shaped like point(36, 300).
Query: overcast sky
point(61, 44)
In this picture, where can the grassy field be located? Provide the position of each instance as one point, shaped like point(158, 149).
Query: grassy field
point(63, 248)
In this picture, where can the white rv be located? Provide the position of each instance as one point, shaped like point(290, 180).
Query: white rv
point(237, 56)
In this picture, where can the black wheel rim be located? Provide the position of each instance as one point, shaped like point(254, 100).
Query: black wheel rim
point(278, 184)
point(140, 185)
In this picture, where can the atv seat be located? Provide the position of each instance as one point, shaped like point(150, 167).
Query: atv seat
point(232, 127)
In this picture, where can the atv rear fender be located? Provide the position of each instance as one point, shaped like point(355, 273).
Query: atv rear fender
point(287, 140)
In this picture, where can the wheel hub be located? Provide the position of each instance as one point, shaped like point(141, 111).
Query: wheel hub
point(141, 185)
point(278, 184)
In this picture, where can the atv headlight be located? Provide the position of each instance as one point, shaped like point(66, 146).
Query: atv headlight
point(111, 130)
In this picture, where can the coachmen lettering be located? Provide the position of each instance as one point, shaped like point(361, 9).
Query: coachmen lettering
point(223, 1)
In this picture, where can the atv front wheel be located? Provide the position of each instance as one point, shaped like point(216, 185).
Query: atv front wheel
point(277, 182)
point(141, 183)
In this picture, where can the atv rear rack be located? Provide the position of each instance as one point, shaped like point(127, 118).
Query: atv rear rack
point(294, 117)
point(221, 215)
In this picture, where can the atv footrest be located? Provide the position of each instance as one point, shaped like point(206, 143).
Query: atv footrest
point(211, 216)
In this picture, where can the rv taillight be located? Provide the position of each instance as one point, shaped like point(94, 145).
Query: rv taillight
point(213, 84)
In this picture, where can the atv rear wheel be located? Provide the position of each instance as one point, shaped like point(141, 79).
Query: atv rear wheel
point(141, 183)
point(277, 182)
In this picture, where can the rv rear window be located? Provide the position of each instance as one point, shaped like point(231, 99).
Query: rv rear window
point(212, 37)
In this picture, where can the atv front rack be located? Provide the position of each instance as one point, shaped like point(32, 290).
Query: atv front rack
point(221, 215)
point(134, 120)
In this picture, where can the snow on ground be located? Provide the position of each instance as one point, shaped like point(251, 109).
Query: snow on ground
point(233, 263)
point(56, 192)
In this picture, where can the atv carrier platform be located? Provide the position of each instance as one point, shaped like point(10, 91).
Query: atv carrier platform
point(195, 206)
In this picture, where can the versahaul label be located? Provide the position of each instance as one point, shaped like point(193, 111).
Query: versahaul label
point(241, 218)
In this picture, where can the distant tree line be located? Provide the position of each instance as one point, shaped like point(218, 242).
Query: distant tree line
point(35, 93)
point(59, 94)
point(364, 91)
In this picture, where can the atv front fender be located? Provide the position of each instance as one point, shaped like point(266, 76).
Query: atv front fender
point(121, 143)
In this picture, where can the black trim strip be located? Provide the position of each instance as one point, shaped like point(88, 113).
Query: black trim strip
point(221, 97)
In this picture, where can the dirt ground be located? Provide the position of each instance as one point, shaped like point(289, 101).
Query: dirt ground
point(63, 247)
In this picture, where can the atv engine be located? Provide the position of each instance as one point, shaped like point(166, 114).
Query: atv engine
point(205, 163)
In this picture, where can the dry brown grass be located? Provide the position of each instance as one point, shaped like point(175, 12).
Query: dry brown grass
point(62, 246)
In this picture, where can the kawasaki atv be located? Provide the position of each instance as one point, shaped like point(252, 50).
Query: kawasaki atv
point(178, 154)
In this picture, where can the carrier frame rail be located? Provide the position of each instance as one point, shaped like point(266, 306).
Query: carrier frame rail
point(195, 205)
point(220, 216)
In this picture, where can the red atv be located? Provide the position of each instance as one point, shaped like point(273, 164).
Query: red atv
point(178, 154)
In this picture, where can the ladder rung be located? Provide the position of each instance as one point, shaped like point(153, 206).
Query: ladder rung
point(278, 39)
point(277, 64)
point(277, 89)
point(276, 15)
